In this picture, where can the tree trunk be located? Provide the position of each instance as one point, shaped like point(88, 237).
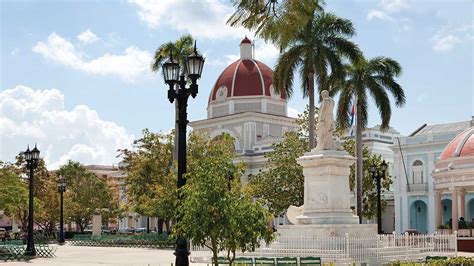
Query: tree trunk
point(167, 224)
point(358, 172)
point(160, 225)
point(214, 252)
point(311, 128)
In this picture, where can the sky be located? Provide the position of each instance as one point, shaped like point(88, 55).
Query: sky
point(75, 75)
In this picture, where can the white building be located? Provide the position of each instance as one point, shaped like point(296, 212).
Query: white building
point(414, 190)
point(379, 142)
point(116, 180)
point(244, 104)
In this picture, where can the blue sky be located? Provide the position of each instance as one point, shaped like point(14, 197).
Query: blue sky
point(75, 75)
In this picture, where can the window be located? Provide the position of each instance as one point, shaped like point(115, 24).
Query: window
point(417, 172)
point(221, 93)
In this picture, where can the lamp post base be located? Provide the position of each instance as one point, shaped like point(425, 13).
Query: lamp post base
point(181, 252)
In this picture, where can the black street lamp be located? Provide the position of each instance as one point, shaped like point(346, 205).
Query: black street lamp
point(61, 190)
point(378, 175)
point(31, 158)
point(194, 65)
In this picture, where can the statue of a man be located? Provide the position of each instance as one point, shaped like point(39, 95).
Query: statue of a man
point(325, 125)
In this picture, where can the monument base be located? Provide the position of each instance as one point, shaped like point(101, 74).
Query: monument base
point(328, 217)
point(325, 230)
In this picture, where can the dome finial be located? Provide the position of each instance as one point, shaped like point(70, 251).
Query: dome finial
point(246, 49)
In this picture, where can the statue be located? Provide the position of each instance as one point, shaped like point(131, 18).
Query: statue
point(325, 125)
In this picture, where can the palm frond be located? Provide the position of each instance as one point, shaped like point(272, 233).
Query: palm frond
point(284, 71)
point(391, 85)
point(381, 101)
point(342, 114)
point(161, 54)
point(363, 114)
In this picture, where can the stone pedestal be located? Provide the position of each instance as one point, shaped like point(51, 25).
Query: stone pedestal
point(326, 210)
point(96, 225)
point(326, 230)
point(326, 188)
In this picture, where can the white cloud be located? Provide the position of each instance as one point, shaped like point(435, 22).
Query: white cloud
point(292, 112)
point(394, 6)
point(377, 14)
point(449, 37)
point(87, 37)
point(445, 43)
point(387, 9)
point(30, 116)
point(204, 19)
point(266, 52)
point(133, 63)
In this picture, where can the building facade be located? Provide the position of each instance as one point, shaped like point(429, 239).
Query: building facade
point(414, 190)
point(243, 103)
point(379, 142)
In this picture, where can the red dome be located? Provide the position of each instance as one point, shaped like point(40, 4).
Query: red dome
point(248, 77)
point(461, 145)
point(246, 40)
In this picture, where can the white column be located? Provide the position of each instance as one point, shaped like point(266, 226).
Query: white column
point(454, 209)
point(439, 210)
point(431, 213)
point(462, 203)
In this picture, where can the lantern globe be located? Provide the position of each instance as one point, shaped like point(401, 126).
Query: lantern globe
point(35, 153)
point(170, 71)
point(195, 64)
point(373, 168)
point(27, 154)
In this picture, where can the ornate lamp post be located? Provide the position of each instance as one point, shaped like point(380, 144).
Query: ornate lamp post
point(194, 65)
point(378, 175)
point(31, 158)
point(61, 190)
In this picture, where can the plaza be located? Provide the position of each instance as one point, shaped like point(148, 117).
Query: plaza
point(77, 256)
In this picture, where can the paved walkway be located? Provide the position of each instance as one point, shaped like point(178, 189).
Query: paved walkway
point(87, 256)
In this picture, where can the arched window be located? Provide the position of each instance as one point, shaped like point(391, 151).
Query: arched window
point(221, 93)
point(417, 172)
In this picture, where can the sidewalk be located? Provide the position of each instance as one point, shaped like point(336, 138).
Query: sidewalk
point(78, 256)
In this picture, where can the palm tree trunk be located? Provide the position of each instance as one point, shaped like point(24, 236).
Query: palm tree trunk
point(311, 128)
point(359, 160)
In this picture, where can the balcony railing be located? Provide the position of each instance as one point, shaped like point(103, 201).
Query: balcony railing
point(417, 187)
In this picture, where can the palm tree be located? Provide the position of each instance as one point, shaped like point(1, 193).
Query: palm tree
point(372, 77)
point(274, 20)
point(318, 49)
point(180, 49)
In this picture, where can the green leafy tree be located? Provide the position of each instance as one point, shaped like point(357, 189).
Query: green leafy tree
point(318, 49)
point(374, 77)
point(46, 196)
point(13, 195)
point(369, 185)
point(281, 183)
point(85, 194)
point(151, 181)
point(211, 215)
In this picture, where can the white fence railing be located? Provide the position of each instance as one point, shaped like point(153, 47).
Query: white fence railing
point(374, 250)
